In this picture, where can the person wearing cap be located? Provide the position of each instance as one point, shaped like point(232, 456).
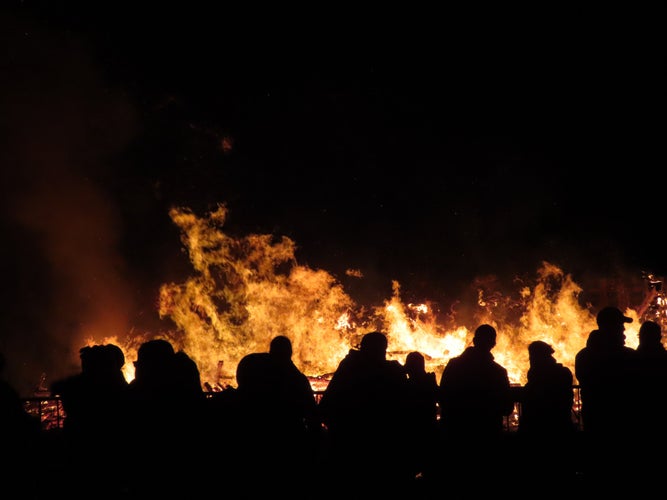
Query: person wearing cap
point(606, 370)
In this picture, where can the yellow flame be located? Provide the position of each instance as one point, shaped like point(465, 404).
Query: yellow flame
point(244, 291)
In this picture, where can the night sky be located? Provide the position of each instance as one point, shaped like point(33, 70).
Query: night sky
point(428, 148)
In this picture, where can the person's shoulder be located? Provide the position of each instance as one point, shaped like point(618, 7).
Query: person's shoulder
point(563, 368)
point(396, 367)
point(500, 368)
point(467, 353)
point(455, 361)
point(583, 352)
point(349, 363)
point(595, 339)
point(564, 371)
point(352, 356)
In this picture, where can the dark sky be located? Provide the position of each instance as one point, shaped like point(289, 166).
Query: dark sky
point(429, 147)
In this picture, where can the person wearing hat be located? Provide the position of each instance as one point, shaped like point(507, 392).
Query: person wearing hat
point(548, 395)
point(546, 425)
point(607, 371)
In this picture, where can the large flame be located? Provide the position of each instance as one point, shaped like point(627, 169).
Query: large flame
point(244, 291)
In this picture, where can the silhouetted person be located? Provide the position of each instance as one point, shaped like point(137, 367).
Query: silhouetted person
point(650, 398)
point(94, 403)
point(548, 395)
point(607, 373)
point(254, 435)
point(546, 425)
point(162, 422)
point(191, 412)
point(187, 379)
point(296, 407)
point(276, 419)
point(363, 408)
point(651, 393)
point(19, 439)
point(293, 412)
point(296, 399)
point(421, 415)
point(474, 399)
point(89, 397)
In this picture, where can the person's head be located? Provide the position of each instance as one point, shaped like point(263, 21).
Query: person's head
point(281, 347)
point(154, 357)
point(253, 372)
point(539, 351)
point(156, 350)
point(374, 345)
point(611, 323)
point(87, 355)
point(415, 363)
point(116, 355)
point(187, 374)
point(484, 337)
point(102, 361)
point(650, 333)
point(611, 317)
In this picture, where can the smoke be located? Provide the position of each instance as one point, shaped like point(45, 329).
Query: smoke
point(65, 280)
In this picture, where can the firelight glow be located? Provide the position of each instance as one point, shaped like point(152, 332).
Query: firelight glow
point(244, 291)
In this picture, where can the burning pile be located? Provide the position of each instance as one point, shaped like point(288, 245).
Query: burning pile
point(247, 290)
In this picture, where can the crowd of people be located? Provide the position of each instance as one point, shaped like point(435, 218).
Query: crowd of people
point(381, 427)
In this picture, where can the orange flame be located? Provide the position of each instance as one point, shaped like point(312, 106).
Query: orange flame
point(247, 290)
